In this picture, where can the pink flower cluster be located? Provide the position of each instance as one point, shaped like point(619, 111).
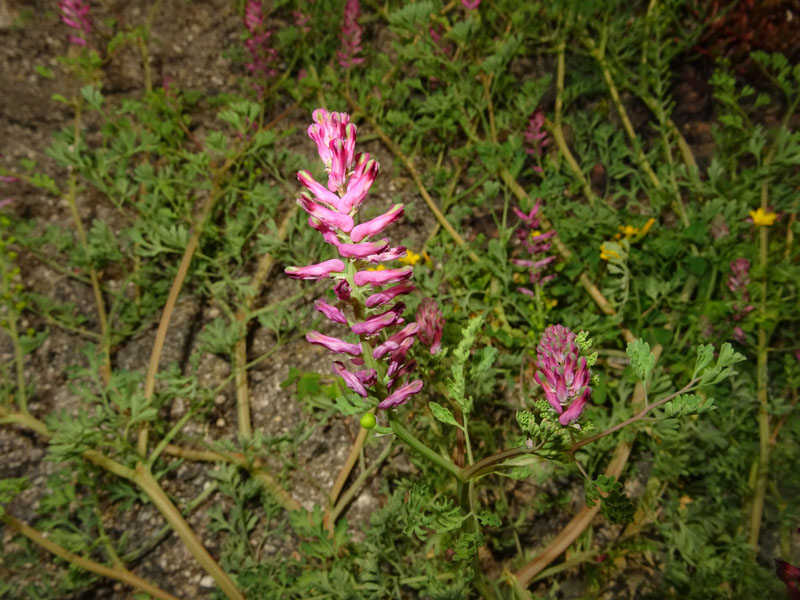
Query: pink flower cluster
point(536, 138)
point(75, 14)
point(563, 373)
point(350, 35)
point(537, 245)
point(332, 209)
point(263, 57)
point(738, 281)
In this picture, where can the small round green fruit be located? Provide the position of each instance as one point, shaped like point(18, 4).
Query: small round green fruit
point(368, 421)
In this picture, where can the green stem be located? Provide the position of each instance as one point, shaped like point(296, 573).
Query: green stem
point(145, 480)
point(409, 438)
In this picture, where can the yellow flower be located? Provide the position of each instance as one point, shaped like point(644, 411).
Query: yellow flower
point(646, 227)
point(761, 217)
point(629, 230)
point(550, 302)
point(410, 258)
point(607, 253)
point(378, 268)
point(535, 232)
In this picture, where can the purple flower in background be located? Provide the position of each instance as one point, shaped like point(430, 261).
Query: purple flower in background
point(75, 14)
point(738, 281)
point(563, 373)
point(350, 35)
point(536, 244)
point(333, 211)
point(263, 57)
point(431, 324)
point(471, 4)
point(536, 138)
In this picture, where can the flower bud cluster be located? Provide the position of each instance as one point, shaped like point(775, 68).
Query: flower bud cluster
point(563, 373)
point(380, 357)
point(75, 14)
point(537, 245)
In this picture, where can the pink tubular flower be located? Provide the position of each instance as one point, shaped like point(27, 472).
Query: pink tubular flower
point(378, 224)
point(563, 373)
point(334, 314)
point(431, 324)
point(401, 395)
point(393, 343)
point(386, 296)
point(75, 14)
point(350, 35)
point(334, 212)
point(330, 218)
point(383, 277)
point(318, 271)
point(374, 324)
point(362, 250)
point(471, 4)
point(333, 344)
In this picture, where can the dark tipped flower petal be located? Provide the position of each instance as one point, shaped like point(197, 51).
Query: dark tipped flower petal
point(401, 394)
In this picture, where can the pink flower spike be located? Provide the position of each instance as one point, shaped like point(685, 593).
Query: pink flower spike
point(376, 225)
point(333, 344)
point(431, 324)
point(387, 296)
point(393, 342)
point(563, 373)
point(358, 187)
point(319, 271)
point(334, 314)
point(471, 4)
point(402, 394)
point(330, 218)
point(350, 379)
point(75, 14)
point(321, 193)
point(253, 16)
point(350, 35)
point(373, 325)
point(8, 179)
point(383, 277)
point(362, 250)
